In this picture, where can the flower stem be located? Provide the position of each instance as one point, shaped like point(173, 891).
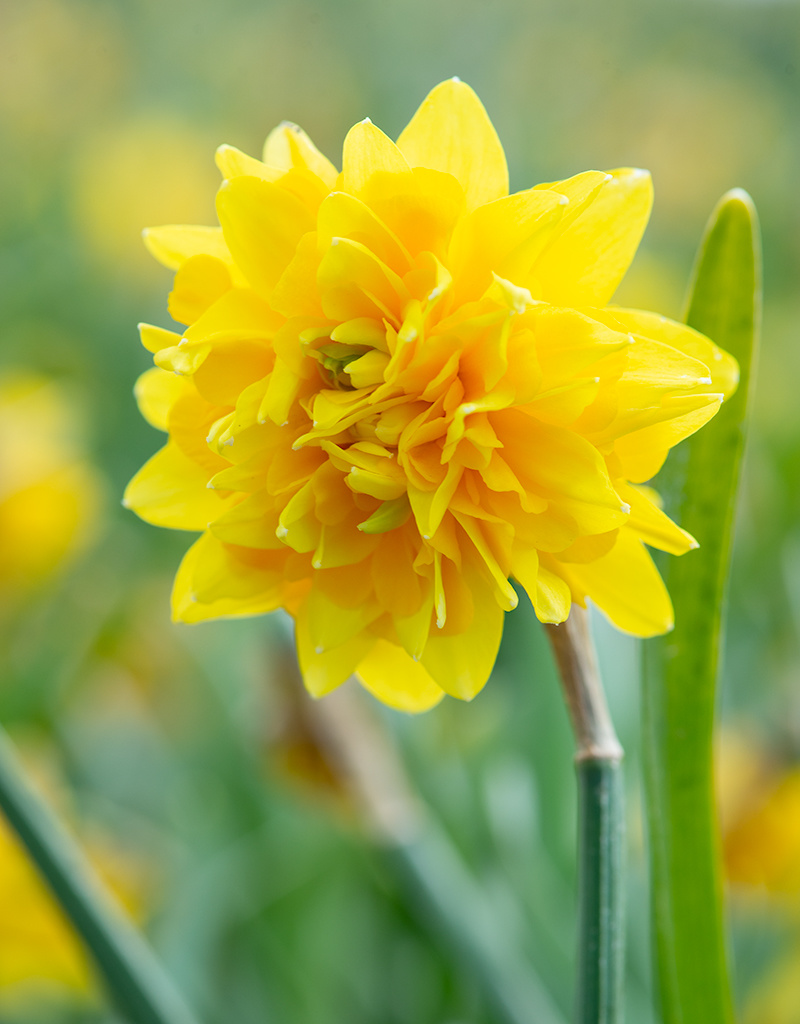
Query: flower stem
point(142, 991)
point(601, 824)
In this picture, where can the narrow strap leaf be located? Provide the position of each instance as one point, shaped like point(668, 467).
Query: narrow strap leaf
point(141, 990)
point(699, 485)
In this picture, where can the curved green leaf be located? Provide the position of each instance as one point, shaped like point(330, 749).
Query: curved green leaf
point(137, 983)
point(699, 485)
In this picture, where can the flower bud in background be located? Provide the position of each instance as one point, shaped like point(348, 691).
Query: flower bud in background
point(50, 495)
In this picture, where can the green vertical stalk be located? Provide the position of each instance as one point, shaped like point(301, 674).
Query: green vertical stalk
point(600, 839)
point(699, 485)
point(140, 988)
point(601, 811)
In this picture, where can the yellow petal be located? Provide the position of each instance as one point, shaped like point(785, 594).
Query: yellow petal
point(643, 451)
point(552, 599)
point(354, 283)
point(367, 152)
point(413, 630)
point(330, 625)
point(568, 342)
point(584, 264)
point(590, 547)
point(387, 516)
point(156, 392)
point(155, 339)
point(199, 282)
point(421, 208)
point(252, 523)
point(191, 419)
point(655, 377)
point(173, 244)
point(563, 467)
point(503, 238)
point(231, 366)
point(296, 292)
point(237, 315)
point(462, 662)
point(171, 490)
point(396, 679)
point(305, 186)
point(579, 190)
point(723, 367)
point(343, 216)
point(233, 163)
point(624, 584)
point(452, 132)
point(288, 146)
point(653, 526)
point(323, 671)
point(208, 558)
point(368, 369)
point(262, 224)
point(549, 595)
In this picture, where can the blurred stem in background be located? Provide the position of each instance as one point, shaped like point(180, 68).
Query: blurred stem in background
point(138, 985)
point(601, 812)
point(426, 861)
point(699, 485)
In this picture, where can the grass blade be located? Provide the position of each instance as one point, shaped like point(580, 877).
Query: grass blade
point(141, 990)
point(699, 486)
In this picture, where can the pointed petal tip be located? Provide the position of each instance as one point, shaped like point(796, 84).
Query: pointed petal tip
point(630, 174)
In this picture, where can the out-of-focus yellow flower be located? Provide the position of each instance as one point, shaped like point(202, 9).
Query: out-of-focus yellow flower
point(760, 803)
point(762, 846)
point(400, 387)
point(119, 186)
point(49, 495)
point(37, 945)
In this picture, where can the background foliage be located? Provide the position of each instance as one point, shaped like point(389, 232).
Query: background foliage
point(182, 756)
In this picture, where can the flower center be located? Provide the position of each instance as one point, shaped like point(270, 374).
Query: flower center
point(333, 360)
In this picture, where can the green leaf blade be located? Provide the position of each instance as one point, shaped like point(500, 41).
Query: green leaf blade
point(699, 486)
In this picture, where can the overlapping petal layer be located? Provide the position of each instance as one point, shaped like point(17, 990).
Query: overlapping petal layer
point(400, 387)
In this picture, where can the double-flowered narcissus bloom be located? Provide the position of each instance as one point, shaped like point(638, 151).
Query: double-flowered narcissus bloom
point(399, 387)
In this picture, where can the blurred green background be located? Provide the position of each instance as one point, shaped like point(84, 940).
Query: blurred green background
point(184, 757)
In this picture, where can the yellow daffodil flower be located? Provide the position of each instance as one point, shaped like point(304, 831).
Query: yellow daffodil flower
point(400, 386)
